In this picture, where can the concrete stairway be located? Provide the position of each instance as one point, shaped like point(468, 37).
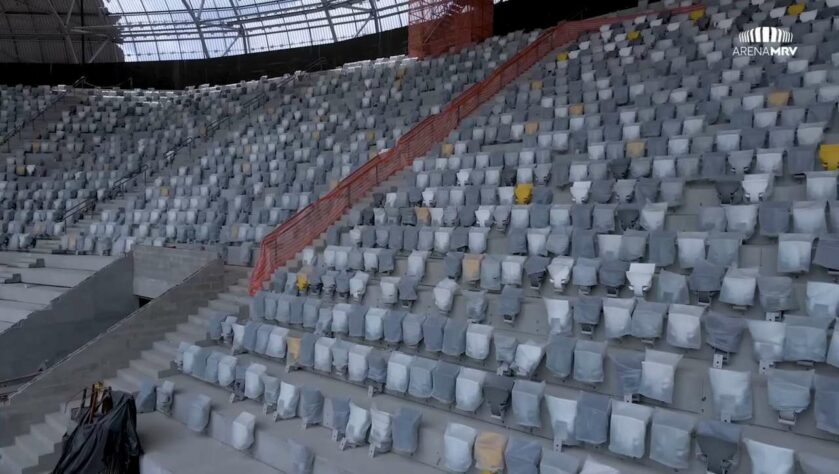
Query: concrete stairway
point(38, 450)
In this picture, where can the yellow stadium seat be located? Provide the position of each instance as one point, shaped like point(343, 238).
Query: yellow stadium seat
point(316, 135)
point(795, 9)
point(778, 98)
point(489, 451)
point(563, 56)
point(576, 109)
point(20, 170)
point(633, 35)
point(423, 215)
point(524, 192)
point(829, 156)
point(635, 148)
point(536, 85)
point(293, 349)
point(448, 149)
point(302, 281)
point(697, 14)
point(164, 191)
point(531, 128)
point(371, 135)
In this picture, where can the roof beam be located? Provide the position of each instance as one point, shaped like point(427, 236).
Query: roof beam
point(326, 6)
point(374, 12)
point(197, 20)
point(71, 51)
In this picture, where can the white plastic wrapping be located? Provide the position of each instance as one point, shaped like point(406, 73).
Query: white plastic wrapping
point(617, 314)
point(357, 368)
point(374, 324)
point(767, 339)
point(241, 436)
point(227, 371)
point(560, 271)
point(822, 300)
point(277, 343)
point(559, 316)
point(253, 381)
point(469, 389)
point(658, 375)
point(684, 326)
point(628, 429)
point(528, 356)
point(444, 295)
point(458, 441)
point(731, 391)
point(381, 429)
point(288, 400)
point(770, 459)
point(358, 425)
point(398, 372)
point(738, 286)
point(323, 354)
point(478, 339)
point(562, 412)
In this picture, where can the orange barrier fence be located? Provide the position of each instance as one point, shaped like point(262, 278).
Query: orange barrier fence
point(284, 242)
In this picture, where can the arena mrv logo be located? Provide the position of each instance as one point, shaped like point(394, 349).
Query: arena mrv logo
point(765, 41)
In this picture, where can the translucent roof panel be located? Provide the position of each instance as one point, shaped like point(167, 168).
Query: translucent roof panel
point(154, 30)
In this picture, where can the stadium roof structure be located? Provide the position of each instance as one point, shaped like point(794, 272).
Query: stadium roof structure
point(85, 31)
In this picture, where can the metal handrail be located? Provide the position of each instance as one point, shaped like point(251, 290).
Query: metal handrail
point(19, 128)
point(169, 155)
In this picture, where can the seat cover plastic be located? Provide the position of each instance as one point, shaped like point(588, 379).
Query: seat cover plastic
point(767, 458)
point(805, 339)
point(648, 320)
point(444, 379)
point(774, 218)
point(588, 361)
point(559, 355)
point(738, 286)
point(722, 332)
point(311, 406)
point(794, 252)
point(358, 425)
point(628, 429)
point(658, 375)
point(670, 438)
point(776, 293)
point(731, 392)
point(458, 441)
point(406, 424)
point(672, 288)
point(522, 456)
point(489, 451)
point(497, 391)
point(591, 423)
point(432, 333)
point(526, 402)
point(789, 390)
point(627, 365)
point(469, 388)
point(767, 339)
point(420, 381)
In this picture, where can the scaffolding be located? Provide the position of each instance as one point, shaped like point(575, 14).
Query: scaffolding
point(440, 26)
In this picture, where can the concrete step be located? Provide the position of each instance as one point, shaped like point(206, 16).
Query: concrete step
point(132, 378)
point(9, 277)
point(167, 348)
point(192, 330)
point(17, 460)
point(27, 262)
point(241, 290)
point(237, 299)
point(198, 320)
point(150, 370)
point(59, 421)
point(45, 453)
point(157, 357)
point(225, 306)
point(47, 433)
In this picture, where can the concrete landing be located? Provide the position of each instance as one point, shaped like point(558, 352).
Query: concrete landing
point(172, 449)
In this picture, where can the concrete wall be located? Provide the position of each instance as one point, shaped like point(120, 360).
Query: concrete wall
point(70, 320)
point(157, 269)
point(108, 352)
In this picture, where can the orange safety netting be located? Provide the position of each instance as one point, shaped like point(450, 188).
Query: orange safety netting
point(438, 26)
point(284, 242)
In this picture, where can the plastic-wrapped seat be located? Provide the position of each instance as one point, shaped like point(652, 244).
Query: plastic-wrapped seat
point(358, 425)
point(588, 361)
point(684, 326)
point(821, 185)
point(592, 419)
point(827, 253)
point(808, 217)
point(497, 392)
point(406, 430)
point(718, 445)
point(444, 376)
point(738, 286)
point(288, 401)
point(510, 303)
point(789, 391)
point(458, 441)
point(662, 248)
point(444, 293)
point(526, 403)
point(653, 215)
point(672, 288)
point(724, 248)
point(691, 247)
point(723, 333)
point(794, 252)
point(617, 316)
point(522, 456)
point(769, 458)
point(805, 339)
point(670, 438)
point(741, 218)
point(706, 280)
point(311, 406)
point(628, 429)
point(489, 451)
point(469, 388)
point(560, 272)
point(584, 273)
point(731, 392)
point(822, 300)
point(358, 365)
point(420, 379)
point(658, 375)
point(398, 372)
point(774, 218)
